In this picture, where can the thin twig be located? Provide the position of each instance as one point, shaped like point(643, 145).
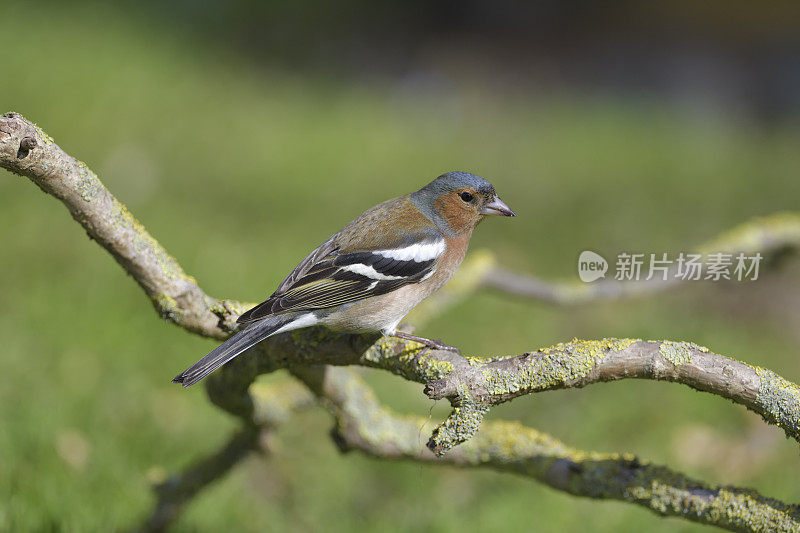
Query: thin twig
point(770, 236)
point(177, 489)
point(276, 404)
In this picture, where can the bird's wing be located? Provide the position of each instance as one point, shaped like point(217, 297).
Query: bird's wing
point(329, 277)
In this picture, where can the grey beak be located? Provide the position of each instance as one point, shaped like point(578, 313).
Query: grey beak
point(497, 207)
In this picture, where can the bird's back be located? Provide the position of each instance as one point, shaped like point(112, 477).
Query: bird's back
point(377, 227)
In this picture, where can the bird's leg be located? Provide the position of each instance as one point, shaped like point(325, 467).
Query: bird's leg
point(436, 345)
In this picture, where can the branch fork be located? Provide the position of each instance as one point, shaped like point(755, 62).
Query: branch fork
point(472, 384)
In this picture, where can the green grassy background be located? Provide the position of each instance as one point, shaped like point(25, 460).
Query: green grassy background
point(240, 170)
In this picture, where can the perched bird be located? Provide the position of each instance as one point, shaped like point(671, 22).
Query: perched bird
point(369, 275)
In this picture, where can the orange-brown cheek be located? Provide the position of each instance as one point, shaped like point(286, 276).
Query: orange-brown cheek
point(459, 218)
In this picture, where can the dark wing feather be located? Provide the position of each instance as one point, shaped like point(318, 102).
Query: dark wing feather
point(327, 279)
point(314, 259)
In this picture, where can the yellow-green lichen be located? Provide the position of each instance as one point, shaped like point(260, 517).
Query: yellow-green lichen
point(591, 348)
point(677, 353)
point(45, 138)
point(433, 367)
point(552, 367)
point(359, 414)
point(276, 403)
point(379, 427)
point(310, 339)
point(167, 307)
point(144, 243)
point(778, 401)
point(624, 477)
point(463, 422)
point(757, 234)
point(227, 310)
point(88, 185)
point(736, 509)
point(409, 359)
point(475, 360)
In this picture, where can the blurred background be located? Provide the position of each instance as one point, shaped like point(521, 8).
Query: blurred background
point(244, 133)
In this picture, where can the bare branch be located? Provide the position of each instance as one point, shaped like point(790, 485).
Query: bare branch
point(770, 236)
point(570, 292)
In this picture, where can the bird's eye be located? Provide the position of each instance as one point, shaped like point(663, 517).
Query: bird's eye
point(467, 197)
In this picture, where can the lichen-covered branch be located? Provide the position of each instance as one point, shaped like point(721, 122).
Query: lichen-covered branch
point(362, 423)
point(471, 384)
point(474, 384)
point(483, 382)
point(770, 236)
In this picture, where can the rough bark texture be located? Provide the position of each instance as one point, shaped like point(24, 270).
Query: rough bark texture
point(471, 384)
point(362, 423)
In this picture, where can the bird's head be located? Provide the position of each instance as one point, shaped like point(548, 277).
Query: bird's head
point(459, 200)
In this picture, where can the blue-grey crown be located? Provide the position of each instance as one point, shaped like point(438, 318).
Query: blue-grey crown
point(458, 179)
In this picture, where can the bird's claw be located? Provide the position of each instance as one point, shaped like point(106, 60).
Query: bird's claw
point(439, 345)
point(428, 343)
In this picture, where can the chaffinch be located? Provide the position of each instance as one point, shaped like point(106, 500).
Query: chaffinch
point(369, 275)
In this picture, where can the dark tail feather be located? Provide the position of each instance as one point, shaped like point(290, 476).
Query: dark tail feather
point(244, 339)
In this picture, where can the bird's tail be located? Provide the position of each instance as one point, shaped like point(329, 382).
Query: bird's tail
point(251, 335)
